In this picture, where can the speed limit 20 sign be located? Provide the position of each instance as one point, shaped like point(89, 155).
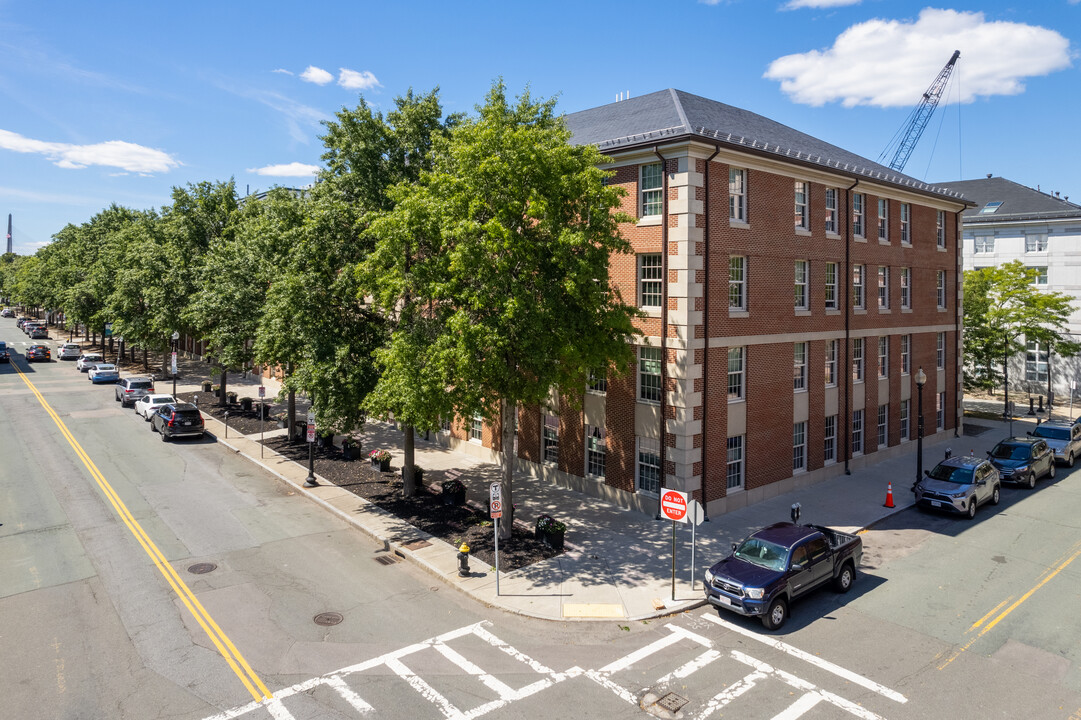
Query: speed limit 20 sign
point(674, 505)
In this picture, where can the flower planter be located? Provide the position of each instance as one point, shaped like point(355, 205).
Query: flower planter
point(454, 497)
point(551, 538)
point(231, 397)
point(383, 465)
point(246, 404)
point(206, 386)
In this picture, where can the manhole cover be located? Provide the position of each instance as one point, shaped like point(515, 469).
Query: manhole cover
point(328, 618)
point(202, 568)
point(416, 544)
point(672, 702)
point(386, 559)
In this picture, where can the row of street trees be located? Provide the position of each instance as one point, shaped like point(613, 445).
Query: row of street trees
point(442, 266)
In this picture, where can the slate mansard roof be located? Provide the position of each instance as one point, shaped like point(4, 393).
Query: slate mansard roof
point(1018, 202)
point(666, 115)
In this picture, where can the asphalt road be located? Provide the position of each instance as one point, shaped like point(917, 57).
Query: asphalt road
point(101, 616)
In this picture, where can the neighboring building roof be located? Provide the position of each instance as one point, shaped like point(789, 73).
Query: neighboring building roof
point(1016, 202)
point(669, 114)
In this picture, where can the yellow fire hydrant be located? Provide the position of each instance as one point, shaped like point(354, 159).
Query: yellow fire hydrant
point(463, 560)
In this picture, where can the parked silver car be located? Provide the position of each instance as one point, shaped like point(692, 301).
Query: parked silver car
point(88, 360)
point(959, 485)
point(1063, 438)
point(69, 351)
point(130, 389)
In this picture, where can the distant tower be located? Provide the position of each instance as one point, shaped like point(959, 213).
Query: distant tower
point(9, 232)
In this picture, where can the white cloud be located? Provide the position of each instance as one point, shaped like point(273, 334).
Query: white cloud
point(283, 71)
point(354, 80)
point(293, 169)
point(795, 4)
point(890, 63)
point(319, 76)
point(113, 153)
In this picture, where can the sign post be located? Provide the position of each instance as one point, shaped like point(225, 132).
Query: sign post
point(175, 337)
point(697, 514)
point(495, 498)
point(262, 418)
point(674, 507)
point(310, 480)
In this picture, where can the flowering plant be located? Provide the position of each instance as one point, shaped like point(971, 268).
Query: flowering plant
point(450, 487)
point(547, 523)
point(379, 455)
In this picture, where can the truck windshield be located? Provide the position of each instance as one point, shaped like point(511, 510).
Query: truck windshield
point(762, 553)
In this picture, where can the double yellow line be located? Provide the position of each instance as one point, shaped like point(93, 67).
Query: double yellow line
point(221, 641)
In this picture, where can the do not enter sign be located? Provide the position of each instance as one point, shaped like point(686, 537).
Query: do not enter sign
point(674, 505)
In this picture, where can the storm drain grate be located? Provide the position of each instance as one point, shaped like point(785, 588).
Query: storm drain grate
point(672, 702)
point(328, 618)
point(202, 568)
point(386, 559)
point(416, 544)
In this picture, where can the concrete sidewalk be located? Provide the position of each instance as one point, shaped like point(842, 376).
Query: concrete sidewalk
point(618, 562)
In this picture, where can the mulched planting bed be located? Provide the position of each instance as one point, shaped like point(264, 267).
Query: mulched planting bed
point(243, 422)
point(425, 511)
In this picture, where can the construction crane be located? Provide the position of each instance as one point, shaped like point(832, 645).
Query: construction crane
point(906, 138)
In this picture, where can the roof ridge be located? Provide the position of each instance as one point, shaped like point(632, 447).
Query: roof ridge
point(679, 107)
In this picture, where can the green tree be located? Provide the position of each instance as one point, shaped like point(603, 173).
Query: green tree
point(1003, 308)
point(517, 229)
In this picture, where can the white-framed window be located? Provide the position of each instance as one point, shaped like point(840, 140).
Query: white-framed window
point(799, 367)
point(983, 244)
point(801, 294)
point(737, 283)
point(1035, 361)
point(906, 354)
point(476, 428)
point(649, 280)
point(737, 194)
point(857, 360)
point(799, 446)
point(736, 373)
point(649, 374)
point(831, 286)
point(598, 382)
point(734, 466)
point(1035, 242)
point(550, 439)
point(651, 189)
point(883, 287)
point(444, 426)
point(883, 425)
point(940, 411)
point(940, 288)
point(829, 442)
point(857, 287)
point(1041, 276)
point(884, 356)
point(904, 422)
point(648, 467)
point(884, 219)
point(596, 451)
point(857, 432)
point(940, 228)
point(940, 351)
point(831, 210)
point(858, 215)
point(802, 221)
point(906, 223)
point(906, 288)
point(831, 363)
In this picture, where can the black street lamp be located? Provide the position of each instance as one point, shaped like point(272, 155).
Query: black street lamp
point(921, 380)
point(1006, 376)
point(310, 481)
point(176, 336)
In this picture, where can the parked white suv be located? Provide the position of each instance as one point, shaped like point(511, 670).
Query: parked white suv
point(88, 360)
point(69, 351)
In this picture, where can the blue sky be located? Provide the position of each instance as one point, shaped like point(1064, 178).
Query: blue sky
point(120, 101)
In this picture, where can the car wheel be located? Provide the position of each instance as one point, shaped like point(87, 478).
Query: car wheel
point(1031, 480)
point(1051, 471)
point(972, 507)
point(1069, 460)
point(996, 494)
point(776, 615)
point(164, 435)
point(843, 582)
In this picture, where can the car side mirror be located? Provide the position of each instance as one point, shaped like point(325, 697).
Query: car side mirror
point(735, 546)
point(927, 473)
point(798, 567)
point(981, 482)
point(988, 453)
point(1029, 433)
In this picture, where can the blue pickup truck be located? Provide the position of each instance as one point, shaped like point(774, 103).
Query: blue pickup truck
point(778, 564)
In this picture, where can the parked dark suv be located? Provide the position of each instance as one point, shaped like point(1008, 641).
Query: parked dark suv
point(177, 420)
point(1022, 460)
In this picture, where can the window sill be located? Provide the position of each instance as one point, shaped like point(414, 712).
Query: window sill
point(803, 232)
point(884, 311)
point(883, 242)
point(738, 314)
point(859, 311)
point(598, 393)
point(799, 391)
point(652, 403)
point(857, 382)
point(906, 244)
point(832, 235)
point(906, 310)
point(799, 471)
point(859, 239)
point(942, 249)
point(803, 313)
point(651, 312)
point(736, 401)
point(476, 442)
point(739, 224)
point(833, 311)
point(649, 220)
point(942, 309)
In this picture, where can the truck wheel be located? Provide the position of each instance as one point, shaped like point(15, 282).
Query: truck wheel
point(776, 614)
point(843, 582)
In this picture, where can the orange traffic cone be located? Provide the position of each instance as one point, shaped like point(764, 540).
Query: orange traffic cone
point(889, 495)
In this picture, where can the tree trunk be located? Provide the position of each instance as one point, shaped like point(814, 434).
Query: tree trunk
point(506, 416)
point(409, 481)
point(292, 410)
point(221, 395)
point(146, 360)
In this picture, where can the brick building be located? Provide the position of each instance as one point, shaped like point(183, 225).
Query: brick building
point(792, 291)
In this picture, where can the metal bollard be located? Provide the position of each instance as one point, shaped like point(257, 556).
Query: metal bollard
point(1040, 408)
